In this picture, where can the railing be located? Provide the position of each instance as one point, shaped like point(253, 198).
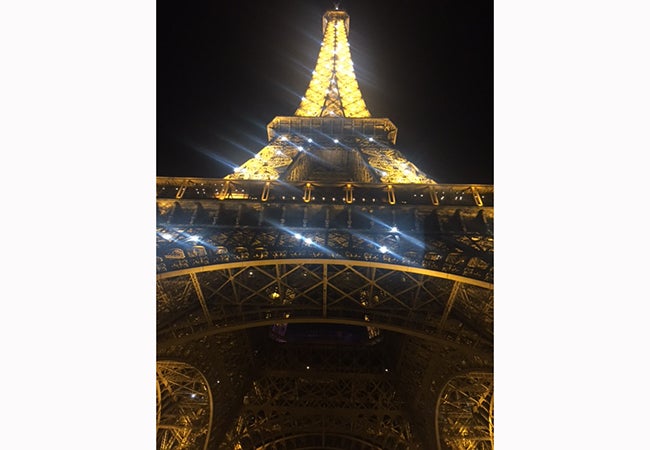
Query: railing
point(273, 191)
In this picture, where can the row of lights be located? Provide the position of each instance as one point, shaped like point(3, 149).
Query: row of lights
point(194, 238)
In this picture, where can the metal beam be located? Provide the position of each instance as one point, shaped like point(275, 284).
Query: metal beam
point(199, 294)
point(450, 304)
point(312, 261)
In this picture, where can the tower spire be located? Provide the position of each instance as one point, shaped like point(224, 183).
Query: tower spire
point(331, 136)
point(333, 90)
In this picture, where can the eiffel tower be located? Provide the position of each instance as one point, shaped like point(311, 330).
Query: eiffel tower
point(327, 294)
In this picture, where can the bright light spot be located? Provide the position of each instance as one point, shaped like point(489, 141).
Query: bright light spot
point(336, 141)
point(383, 249)
point(298, 236)
point(371, 139)
point(279, 152)
point(166, 236)
point(300, 148)
point(284, 138)
point(393, 229)
point(310, 140)
point(385, 370)
point(238, 169)
point(193, 239)
point(257, 156)
point(193, 395)
point(307, 367)
point(308, 241)
point(304, 98)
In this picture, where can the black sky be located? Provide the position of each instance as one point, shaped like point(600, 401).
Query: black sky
point(226, 69)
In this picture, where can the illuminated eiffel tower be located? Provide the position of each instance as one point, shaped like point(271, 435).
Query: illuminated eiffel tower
point(327, 294)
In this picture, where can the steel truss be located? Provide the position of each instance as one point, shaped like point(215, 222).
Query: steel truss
point(412, 264)
point(227, 297)
point(308, 388)
point(447, 229)
point(465, 413)
point(184, 407)
point(226, 361)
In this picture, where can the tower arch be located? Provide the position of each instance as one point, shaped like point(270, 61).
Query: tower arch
point(465, 412)
point(184, 406)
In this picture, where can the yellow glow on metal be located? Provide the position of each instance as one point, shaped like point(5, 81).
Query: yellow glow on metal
point(267, 163)
point(333, 90)
point(394, 167)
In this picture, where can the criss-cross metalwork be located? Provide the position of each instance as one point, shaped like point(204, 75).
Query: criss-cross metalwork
point(327, 294)
point(184, 407)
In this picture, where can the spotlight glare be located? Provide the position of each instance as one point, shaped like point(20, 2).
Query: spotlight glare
point(383, 249)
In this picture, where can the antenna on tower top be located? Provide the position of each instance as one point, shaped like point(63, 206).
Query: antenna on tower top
point(336, 5)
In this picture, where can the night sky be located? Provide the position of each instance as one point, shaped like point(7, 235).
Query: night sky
point(226, 69)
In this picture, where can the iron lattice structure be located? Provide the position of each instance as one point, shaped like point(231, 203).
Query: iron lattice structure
point(327, 294)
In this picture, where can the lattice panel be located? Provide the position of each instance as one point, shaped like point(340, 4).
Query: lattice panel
point(305, 235)
point(184, 407)
point(225, 360)
point(326, 390)
point(248, 295)
point(423, 369)
point(465, 419)
point(392, 166)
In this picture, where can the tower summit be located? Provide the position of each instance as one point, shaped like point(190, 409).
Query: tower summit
point(333, 90)
point(332, 136)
